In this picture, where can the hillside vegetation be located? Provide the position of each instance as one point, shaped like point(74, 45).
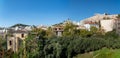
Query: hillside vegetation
point(45, 44)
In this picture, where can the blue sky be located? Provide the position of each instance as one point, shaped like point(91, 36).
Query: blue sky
point(48, 12)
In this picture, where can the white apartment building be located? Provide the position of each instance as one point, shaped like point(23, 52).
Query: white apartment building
point(106, 21)
point(107, 25)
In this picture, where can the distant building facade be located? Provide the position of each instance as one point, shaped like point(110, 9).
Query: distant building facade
point(89, 24)
point(107, 25)
point(58, 30)
point(102, 21)
point(16, 38)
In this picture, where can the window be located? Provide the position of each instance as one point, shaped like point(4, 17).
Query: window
point(59, 28)
point(10, 42)
point(22, 35)
point(55, 29)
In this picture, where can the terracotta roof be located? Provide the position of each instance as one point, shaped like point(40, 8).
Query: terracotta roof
point(90, 22)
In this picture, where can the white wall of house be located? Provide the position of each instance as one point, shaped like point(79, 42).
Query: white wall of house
point(87, 26)
point(107, 25)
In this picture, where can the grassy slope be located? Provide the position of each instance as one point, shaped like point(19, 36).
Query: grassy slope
point(86, 55)
point(103, 53)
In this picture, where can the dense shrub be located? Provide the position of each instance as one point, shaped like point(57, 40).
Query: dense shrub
point(71, 46)
point(42, 46)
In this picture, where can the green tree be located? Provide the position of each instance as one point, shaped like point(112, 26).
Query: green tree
point(69, 29)
point(93, 29)
point(35, 43)
point(50, 33)
point(85, 33)
point(31, 46)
